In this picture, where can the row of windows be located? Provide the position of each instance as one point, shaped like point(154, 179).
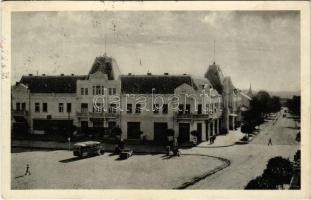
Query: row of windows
point(99, 90)
point(84, 91)
point(156, 108)
point(45, 107)
point(183, 109)
point(98, 108)
point(20, 106)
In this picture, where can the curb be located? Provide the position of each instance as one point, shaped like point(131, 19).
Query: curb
point(216, 146)
point(226, 163)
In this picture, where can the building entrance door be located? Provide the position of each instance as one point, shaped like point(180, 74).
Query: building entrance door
point(159, 131)
point(133, 130)
point(184, 132)
point(112, 125)
point(84, 126)
point(199, 130)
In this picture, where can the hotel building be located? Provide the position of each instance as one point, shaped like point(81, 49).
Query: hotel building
point(139, 104)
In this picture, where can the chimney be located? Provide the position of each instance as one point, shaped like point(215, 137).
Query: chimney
point(61, 74)
point(30, 74)
point(149, 74)
point(166, 73)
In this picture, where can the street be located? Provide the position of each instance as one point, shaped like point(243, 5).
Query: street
point(59, 169)
point(248, 161)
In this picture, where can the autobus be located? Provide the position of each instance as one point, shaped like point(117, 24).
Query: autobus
point(87, 148)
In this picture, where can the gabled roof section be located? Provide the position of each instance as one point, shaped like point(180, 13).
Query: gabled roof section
point(107, 65)
point(162, 84)
point(215, 76)
point(51, 84)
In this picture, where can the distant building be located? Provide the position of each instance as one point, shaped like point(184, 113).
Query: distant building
point(56, 103)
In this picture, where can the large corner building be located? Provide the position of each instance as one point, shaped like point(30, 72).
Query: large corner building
point(44, 104)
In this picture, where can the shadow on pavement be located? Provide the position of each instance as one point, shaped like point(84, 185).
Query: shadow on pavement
point(295, 128)
point(166, 157)
point(119, 159)
point(74, 159)
point(19, 176)
point(28, 149)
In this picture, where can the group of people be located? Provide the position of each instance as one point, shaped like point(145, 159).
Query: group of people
point(172, 146)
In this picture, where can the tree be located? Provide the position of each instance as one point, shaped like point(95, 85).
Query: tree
point(294, 105)
point(260, 183)
point(279, 171)
point(297, 157)
point(274, 104)
point(260, 105)
point(263, 100)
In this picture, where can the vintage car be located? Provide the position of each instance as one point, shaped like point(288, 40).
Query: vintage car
point(83, 149)
point(126, 153)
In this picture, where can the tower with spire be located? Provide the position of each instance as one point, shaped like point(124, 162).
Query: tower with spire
point(250, 92)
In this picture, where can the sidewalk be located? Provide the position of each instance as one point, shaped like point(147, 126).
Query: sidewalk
point(224, 140)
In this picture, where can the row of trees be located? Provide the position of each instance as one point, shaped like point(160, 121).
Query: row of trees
point(279, 171)
point(260, 105)
point(294, 105)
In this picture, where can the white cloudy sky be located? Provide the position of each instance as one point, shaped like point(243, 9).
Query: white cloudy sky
point(261, 48)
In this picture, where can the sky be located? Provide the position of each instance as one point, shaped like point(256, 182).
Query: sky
point(261, 48)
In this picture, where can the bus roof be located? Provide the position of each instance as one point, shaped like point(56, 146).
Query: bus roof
point(83, 144)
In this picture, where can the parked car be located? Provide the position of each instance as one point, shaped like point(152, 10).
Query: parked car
point(126, 153)
point(83, 149)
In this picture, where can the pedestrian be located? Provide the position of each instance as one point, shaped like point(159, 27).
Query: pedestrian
point(175, 147)
point(270, 142)
point(27, 170)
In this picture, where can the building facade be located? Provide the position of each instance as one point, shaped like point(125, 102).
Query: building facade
point(143, 106)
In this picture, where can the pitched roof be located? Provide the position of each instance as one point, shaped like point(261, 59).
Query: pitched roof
point(51, 84)
point(246, 96)
point(216, 77)
point(163, 84)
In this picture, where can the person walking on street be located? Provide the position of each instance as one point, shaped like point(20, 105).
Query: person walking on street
point(27, 170)
point(270, 142)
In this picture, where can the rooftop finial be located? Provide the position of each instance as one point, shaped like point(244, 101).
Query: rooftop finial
point(105, 46)
point(214, 53)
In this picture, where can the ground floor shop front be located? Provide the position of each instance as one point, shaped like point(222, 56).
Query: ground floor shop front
point(184, 130)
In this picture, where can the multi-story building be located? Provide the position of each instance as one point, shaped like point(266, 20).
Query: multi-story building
point(234, 100)
point(141, 105)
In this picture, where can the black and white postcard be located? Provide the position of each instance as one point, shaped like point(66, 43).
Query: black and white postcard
point(144, 100)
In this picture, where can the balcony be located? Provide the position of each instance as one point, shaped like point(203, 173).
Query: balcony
point(192, 116)
point(20, 113)
point(82, 114)
point(112, 115)
point(98, 115)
